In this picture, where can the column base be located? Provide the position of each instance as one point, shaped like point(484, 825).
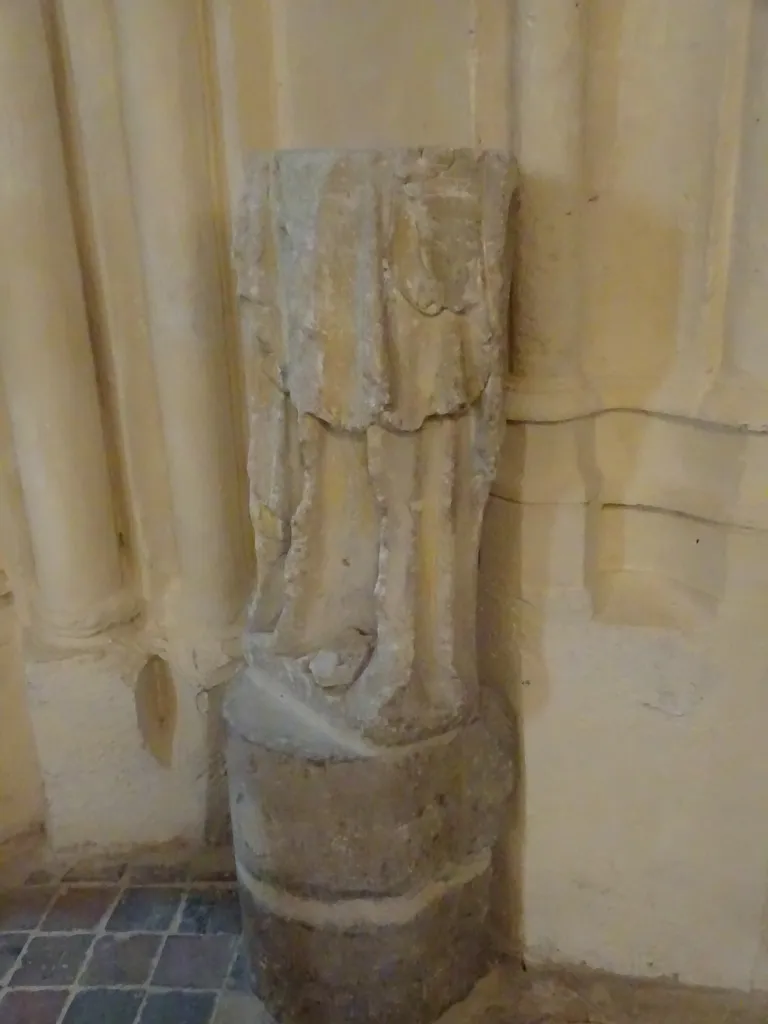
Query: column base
point(382, 961)
point(365, 880)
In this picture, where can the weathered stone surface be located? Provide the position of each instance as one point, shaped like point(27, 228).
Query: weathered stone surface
point(381, 824)
point(382, 961)
point(374, 290)
point(367, 778)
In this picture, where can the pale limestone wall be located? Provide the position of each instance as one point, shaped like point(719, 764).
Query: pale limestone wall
point(625, 561)
point(626, 558)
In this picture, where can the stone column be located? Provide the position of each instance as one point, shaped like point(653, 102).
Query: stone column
point(46, 364)
point(160, 53)
point(367, 770)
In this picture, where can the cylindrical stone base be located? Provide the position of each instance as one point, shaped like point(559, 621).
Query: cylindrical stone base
point(384, 960)
point(364, 881)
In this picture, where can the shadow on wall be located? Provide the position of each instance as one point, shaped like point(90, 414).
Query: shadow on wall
point(597, 342)
point(22, 808)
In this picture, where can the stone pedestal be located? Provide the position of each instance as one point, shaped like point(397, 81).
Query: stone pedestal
point(365, 881)
point(368, 773)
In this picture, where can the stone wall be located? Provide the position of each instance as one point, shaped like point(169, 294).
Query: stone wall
point(625, 559)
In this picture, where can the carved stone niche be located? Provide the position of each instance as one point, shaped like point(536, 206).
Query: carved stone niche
point(368, 772)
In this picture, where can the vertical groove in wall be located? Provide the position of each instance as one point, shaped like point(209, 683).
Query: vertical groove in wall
point(68, 125)
point(626, 120)
point(47, 362)
point(18, 558)
point(490, 73)
point(113, 268)
point(242, 538)
point(727, 163)
point(163, 93)
point(68, 120)
point(741, 388)
point(244, 63)
point(280, 54)
point(246, 92)
point(657, 72)
point(473, 62)
point(548, 66)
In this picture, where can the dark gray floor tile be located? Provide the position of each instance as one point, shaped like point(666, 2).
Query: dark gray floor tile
point(121, 960)
point(78, 908)
point(11, 944)
point(51, 960)
point(22, 909)
point(194, 961)
point(104, 1006)
point(145, 910)
point(214, 911)
point(178, 1008)
point(25, 1007)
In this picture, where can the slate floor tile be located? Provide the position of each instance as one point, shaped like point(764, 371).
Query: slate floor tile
point(22, 909)
point(145, 910)
point(104, 1006)
point(194, 961)
point(21, 1006)
point(214, 911)
point(142, 943)
point(78, 909)
point(51, 960)
point(11, 944)
point(121, 960)
point(178, 1008)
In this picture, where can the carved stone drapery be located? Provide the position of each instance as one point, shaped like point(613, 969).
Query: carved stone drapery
point(366, 780)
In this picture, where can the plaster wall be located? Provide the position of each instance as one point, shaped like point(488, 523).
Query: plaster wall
point(625, 557)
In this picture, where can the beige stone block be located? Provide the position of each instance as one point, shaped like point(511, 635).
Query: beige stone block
point(336, 80)
point(653, 567)
point(653, 177)
point(645, 837)
point(534, 547)
point(686, 467)
point(549, 47)
point(739, 393)
point(545, 463)
point(102, 787)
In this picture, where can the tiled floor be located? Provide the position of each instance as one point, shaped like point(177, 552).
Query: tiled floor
point(152, 944)
point(122, 945)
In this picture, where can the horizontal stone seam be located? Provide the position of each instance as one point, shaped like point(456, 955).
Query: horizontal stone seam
point(326, 894)
point(374, 753)
point(721, 426)
point(346, 914)
point(676, 513)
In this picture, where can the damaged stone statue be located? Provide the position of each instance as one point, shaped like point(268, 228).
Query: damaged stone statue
point(367, 774)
